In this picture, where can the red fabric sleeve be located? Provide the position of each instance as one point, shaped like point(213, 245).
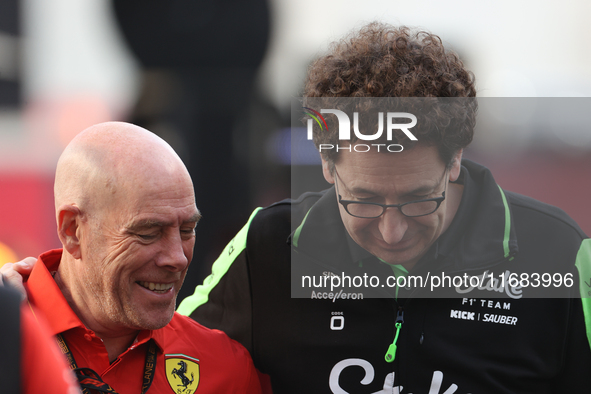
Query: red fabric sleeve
point(265, 383)
point(253, 384)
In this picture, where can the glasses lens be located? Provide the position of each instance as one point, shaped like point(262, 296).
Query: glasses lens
point(419, 208)
point(364, 210)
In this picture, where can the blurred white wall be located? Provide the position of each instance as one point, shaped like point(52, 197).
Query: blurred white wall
point(75, 72)
point(523, 48)
point(73, 48)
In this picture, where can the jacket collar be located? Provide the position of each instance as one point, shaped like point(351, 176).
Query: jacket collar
point(321, 235)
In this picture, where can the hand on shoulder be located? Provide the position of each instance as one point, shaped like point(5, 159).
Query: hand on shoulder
point(14, 274)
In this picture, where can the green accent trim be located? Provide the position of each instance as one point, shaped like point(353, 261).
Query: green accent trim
point(391, 353)
point(398, 270)
point(507, 224)
point(583, 264)
point(218, 270)
point(296, 234)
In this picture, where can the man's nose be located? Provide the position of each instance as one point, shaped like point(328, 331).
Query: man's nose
point(393, 225)
point(173, 255)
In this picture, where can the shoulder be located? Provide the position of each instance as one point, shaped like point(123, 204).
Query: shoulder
point(277, 218)
point(537, 216)
point(192, 333)
point(185, 325)
point(228, 363)
point(289, 207)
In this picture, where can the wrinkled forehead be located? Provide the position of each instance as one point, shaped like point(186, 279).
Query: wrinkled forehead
point(417, 158)
point(404, 171)
point(168, 200)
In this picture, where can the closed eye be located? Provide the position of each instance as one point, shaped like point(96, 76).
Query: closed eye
point(188, 233)
point(366, 199)
point(148, 237)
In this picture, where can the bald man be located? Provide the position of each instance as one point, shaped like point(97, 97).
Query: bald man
point(126, 215)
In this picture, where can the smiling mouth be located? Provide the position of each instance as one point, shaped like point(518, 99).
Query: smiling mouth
point(156, 287)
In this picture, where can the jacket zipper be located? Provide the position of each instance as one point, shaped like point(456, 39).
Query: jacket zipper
point(391, 353)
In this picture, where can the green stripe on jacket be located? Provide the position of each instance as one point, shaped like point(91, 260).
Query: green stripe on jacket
point(583, 265)
point(218, 270)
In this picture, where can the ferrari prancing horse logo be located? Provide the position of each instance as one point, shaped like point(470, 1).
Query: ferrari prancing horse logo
point(182, 373)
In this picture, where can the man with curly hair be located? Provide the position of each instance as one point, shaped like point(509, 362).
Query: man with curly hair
point(416, 211)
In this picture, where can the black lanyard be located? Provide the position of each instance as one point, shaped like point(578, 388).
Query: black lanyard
point(90, 380)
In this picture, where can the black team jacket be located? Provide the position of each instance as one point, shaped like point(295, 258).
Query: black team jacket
point(517, 327)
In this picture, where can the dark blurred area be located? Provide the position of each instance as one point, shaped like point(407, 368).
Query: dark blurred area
point(10, 31)
point(199, 62)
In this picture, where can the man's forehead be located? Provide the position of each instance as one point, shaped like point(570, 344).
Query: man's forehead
point(419, 160)
point(162, 209)
point(415, 172)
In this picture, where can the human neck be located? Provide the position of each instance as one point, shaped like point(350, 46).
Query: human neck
point(117, 345)
point(115, 340)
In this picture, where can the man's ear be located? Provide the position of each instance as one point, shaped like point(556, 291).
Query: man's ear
point(456, 165)
point(326, 167)
point(68, 222)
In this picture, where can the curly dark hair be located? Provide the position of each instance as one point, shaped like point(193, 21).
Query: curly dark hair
point(385, 61)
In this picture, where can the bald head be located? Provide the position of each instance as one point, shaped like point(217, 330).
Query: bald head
point(107, 160)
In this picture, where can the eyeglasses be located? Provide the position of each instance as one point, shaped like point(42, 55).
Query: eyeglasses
point(372, 210)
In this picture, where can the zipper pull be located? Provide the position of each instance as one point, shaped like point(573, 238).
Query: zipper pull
point(391, 353)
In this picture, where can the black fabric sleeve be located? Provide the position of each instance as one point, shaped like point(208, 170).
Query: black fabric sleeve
point(576, 369)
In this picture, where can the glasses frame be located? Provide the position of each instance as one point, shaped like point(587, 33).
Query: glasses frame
point(346, 203)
